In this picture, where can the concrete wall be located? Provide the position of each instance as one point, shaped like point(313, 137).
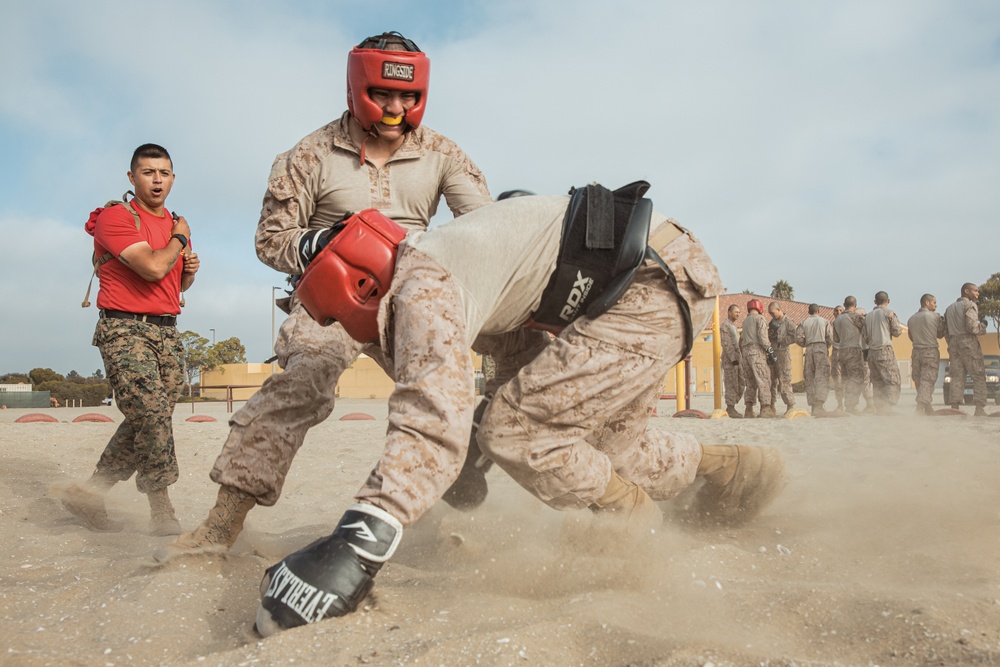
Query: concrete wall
point(25, 399)
point(364, 379)
point(988, 341)
point(236, 375)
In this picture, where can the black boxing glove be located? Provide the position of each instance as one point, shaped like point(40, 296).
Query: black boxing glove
point(772, 358)
point(331, 576)
point(311, 243)
point(314, 240)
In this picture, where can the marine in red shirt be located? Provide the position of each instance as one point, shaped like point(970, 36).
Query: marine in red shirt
point(139, 300)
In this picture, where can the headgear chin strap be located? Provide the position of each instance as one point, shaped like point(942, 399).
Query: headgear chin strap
point(406, 71)
point(346, 281)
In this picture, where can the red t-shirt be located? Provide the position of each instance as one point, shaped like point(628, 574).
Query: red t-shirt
point(121, 287)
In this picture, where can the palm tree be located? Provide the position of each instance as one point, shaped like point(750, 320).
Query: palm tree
point(782, 290)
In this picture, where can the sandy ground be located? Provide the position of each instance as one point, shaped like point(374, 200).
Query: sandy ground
point(883, 550)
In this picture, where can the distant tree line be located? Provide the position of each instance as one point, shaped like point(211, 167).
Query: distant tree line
point(199, 356)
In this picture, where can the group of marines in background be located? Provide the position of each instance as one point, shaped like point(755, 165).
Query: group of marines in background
point(854, 353)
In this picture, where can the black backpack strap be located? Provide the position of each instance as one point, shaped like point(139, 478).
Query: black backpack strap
point(682, 303)
point(600, 226)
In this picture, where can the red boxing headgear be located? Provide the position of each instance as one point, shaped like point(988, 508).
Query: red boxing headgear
point(367, 68)
point(348, 278)
point(755, 304)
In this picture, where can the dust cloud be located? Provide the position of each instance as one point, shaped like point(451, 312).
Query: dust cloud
point(882, 550)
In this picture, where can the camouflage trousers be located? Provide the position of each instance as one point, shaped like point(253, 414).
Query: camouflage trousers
point(866, 382)
point(733, 383)
point(509, 352)
point(757, 375)
point(781, 379)
point(885, 376)
point(925, 366)
point(965, 357)
point(816, 368)
point(145, 366)
point(852, 370)
point(574, 412)
point(267, 432)
point(836, 378)
point(489, 367)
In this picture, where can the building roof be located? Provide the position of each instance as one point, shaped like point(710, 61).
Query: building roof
point(797, 310)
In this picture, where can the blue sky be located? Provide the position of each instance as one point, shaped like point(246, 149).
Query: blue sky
point(844, 147)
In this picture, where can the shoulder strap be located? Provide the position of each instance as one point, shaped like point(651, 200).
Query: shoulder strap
point(86, 297)
point(131, 209)
point(127, 203)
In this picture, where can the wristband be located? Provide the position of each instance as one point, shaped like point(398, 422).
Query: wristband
point(182, 239)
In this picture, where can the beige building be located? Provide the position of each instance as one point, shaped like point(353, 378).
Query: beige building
point(362, 379)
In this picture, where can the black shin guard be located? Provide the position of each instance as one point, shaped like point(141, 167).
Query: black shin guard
point(469, 491)
point(331, 576)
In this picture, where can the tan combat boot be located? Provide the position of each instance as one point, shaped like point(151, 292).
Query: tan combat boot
point(216, 533)
point(740, 481)
point(748, 413)
point(767, 412)
point(733, 412)
point(631, 504)
point(86, 501)
point(162, 520)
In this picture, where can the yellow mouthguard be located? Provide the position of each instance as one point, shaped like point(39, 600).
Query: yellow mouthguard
point(389, 120)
